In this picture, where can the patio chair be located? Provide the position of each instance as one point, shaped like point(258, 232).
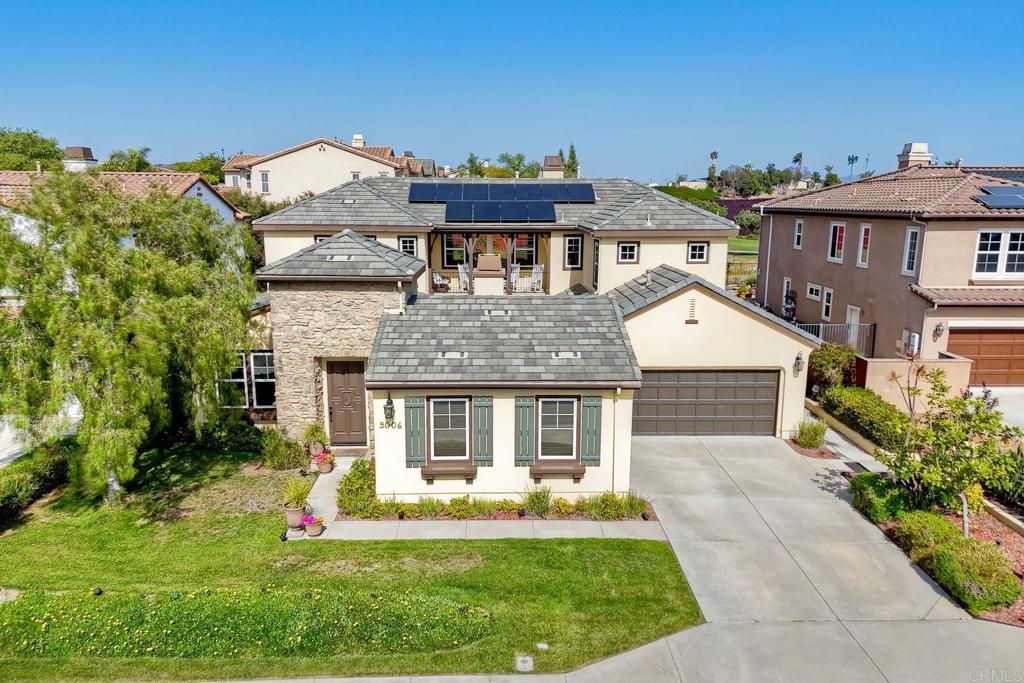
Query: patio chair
point(537, 281)
point(463, 278)
point(440, 282)
point(515, 277)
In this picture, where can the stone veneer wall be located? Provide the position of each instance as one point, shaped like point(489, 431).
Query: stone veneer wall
point(317, 320)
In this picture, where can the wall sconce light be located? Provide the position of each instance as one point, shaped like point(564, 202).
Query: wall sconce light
point(798, 364)
point(389, 409)
point(940, 329)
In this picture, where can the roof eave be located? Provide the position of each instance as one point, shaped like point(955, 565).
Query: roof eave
point(385, 384)
point(336, 278)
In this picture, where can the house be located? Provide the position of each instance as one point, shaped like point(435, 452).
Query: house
point(553, 167)
point(924, 260)
point(318, 165)
point(79, 159)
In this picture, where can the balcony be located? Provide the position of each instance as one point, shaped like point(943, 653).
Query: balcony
point(492, 273)
point(861, 336)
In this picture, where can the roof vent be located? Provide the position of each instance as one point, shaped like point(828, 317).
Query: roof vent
point(452, 354)
point(340, 257)
point(498, 311)
point(348, 201)
point(565, 355)
point(649, 218)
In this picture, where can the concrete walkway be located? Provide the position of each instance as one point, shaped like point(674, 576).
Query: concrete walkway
point(391, 530)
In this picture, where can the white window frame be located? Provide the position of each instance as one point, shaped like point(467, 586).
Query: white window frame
point(578, 241)
point(433, 449)
point(837, 230)
point(264, 182)
point(530, 248)
point(248, 180)
point(540, 427)
point(827, 301)
point(813, 297)
point(234, 180)
point(1002, 256)
point(787, 286)
point(703, 246)
point(403, 241)
point(864, 250)
point(916, 231)
point(636, 252)
point(255, 378)
point(798, 234)
point(244, 382)
point(445, 249)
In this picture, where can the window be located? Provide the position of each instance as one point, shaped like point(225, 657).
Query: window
point(355, 175)
point(999, 253)
point(525, 250)
point(265, 182)
point(248, 181)
point(835, 242)
point(573, 252)
point(629, 252)
point(813, 291)
point(232, 391)
point(383, 174)
point(557, 428)
point(454, 251)
point(787, 287)
point(864, 246)
point(910, 249)
point(597, 255)
point(407, 244)
point(696, 252)
point(234, 180)
point(317, 239)
point(369, 237)
point(263, 382)
point(798, 234)
point(449, 428)
point(826, 305)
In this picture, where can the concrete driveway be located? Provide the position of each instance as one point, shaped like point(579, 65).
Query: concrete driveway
point(793, 582)
point(1011, 403)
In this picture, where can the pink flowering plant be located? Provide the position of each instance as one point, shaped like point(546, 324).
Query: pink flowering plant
point(323, 458)
point(310, 520)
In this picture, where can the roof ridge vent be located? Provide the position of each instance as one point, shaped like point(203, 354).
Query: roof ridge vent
point(498, 311)
point(452, 354)
point(339, 257)
point(566, 355)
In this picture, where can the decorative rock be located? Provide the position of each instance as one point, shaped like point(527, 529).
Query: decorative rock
point(524, 664)
point(293, 534)
point(542, 646)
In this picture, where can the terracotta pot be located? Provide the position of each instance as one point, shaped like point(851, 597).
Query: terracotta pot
point(294, 516)
point(315, 449)
point(314, 529)
point(325, 467)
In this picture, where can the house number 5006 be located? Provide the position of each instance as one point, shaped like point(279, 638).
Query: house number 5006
point(390, 424)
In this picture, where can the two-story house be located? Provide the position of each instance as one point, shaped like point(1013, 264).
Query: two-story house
point(930, 257)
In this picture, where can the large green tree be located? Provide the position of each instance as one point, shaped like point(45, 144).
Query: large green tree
point(130, 159)
point(207, 165)
point(130, 306)
point(512, 164)
point(21, 150)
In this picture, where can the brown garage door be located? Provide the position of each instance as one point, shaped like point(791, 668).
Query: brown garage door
point(706, 402)
point(998, 355)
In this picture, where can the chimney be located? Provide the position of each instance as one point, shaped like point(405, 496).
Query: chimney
point(914, 154)
point(357, 140)
point(408, 154)
point(78, 159)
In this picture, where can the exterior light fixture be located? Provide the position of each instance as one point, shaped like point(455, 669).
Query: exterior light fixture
point(798, 363)
point(389, 409)
point(940, 329)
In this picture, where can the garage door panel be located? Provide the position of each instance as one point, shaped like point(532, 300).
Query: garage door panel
point(706, 402)
point(998, 354)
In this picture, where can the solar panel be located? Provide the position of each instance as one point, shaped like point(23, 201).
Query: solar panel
point(458, 212)
point(1004, 189)
point(541, 212)
point(527, 191)
point(447, 192)
point(475, 191)
point(485, 212)
point(554, 192)
point(503, 191)
point(580, 193)
point(514, 212)
point(1001, 201)
point(422, 192)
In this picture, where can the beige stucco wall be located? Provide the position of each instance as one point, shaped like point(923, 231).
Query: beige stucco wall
point(504, 479)
point(315, 321)
point(948, 259)
point(315, 169)
point(654, 251)
point(725, 337)
point(562, 278)
point(876, 374)
point(951, 317)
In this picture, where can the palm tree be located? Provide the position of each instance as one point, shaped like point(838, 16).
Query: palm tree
point(130, 159)
point(851, 160)
point(798, 161)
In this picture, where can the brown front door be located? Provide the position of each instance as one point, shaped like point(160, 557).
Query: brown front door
point(998, 355)
point(346, 402)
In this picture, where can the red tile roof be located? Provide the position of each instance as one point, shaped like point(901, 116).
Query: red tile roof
point(239, 162)
point(971, 296)
point(920, 191)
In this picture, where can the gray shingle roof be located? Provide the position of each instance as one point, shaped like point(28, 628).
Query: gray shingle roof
point(345, 256)
point(621, 205)
point(663, 281)
point(504, 341)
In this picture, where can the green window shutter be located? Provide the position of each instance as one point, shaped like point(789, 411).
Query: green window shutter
point(415, 431)
point(524, 431)
point(590, 439)
point(483, 431)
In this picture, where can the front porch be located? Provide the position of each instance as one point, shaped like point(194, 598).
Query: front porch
point(502, 262)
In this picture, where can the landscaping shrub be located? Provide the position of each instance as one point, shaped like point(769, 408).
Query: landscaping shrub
point(483, 507)
point(295, 492)
point(831, 365)
point(605, 506)
point(314, 433)
point(509, 505)
point(920, 532)
point(1011, 486)
point(811, 434)
point(265, 622)
point(32, 476)
point(231, 436)
point(390, 507)
point(537, 501)
point(976, 573)
point(868, 413)
point(357, 492)
point(282, 453)
point(459, 508)
point(431, 507)
point(749, 222)
point(878, 497)
point(634, 504)
point(560, 507)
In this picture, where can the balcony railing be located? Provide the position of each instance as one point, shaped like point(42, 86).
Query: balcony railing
point(448, 282)
point(860, 336)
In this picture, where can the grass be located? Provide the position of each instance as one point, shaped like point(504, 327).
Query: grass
point(192, 565)
point(746, 243)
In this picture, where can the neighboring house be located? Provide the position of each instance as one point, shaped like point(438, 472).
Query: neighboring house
point(552, 167)
point(931, 257)
point(78, 159)
point(318, 165)
point(593, 235)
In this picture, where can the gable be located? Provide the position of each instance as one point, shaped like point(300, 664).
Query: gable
point(322, 154)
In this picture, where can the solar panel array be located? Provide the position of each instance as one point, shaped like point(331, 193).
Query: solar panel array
point(1002, 196)
point(489, 211)
point(439, 193)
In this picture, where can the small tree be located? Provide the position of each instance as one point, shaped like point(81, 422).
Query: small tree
point(571, 164)
point(831, 177)
point(749, 221)
point(207, 165)
point(21, 150)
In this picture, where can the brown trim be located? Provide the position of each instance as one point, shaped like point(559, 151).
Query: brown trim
point(285, 227)
point(565, 250)
point(707, 251)
point(637, 234)
point(618, 252)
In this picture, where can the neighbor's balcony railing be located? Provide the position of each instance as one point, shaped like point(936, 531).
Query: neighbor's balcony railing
point(860, 336)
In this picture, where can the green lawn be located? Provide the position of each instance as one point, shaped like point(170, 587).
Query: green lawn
point(196, 584)
point(747, 243)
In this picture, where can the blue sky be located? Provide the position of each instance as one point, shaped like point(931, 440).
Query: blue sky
point(645, 90)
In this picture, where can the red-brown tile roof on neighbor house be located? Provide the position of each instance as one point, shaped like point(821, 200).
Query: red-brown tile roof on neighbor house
point(970, 296)
point(382, 151)
point(918, 191)
point(239, 162)
point(249, 163)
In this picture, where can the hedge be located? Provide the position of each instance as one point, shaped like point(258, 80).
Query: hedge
point(30, 477)
point(831, 365)
point(878, 497)
point(920, 532)
point(865, 411)
point(976, 573)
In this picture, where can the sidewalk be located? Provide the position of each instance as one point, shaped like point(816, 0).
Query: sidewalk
point(391, 530)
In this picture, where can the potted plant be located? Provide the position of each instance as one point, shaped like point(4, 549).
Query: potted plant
point(315, 439)
point(324, 462)
point(314, 524)
point(295, 493)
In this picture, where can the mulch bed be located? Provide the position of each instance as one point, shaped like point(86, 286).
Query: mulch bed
point(823, 453)
point(498, 516)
